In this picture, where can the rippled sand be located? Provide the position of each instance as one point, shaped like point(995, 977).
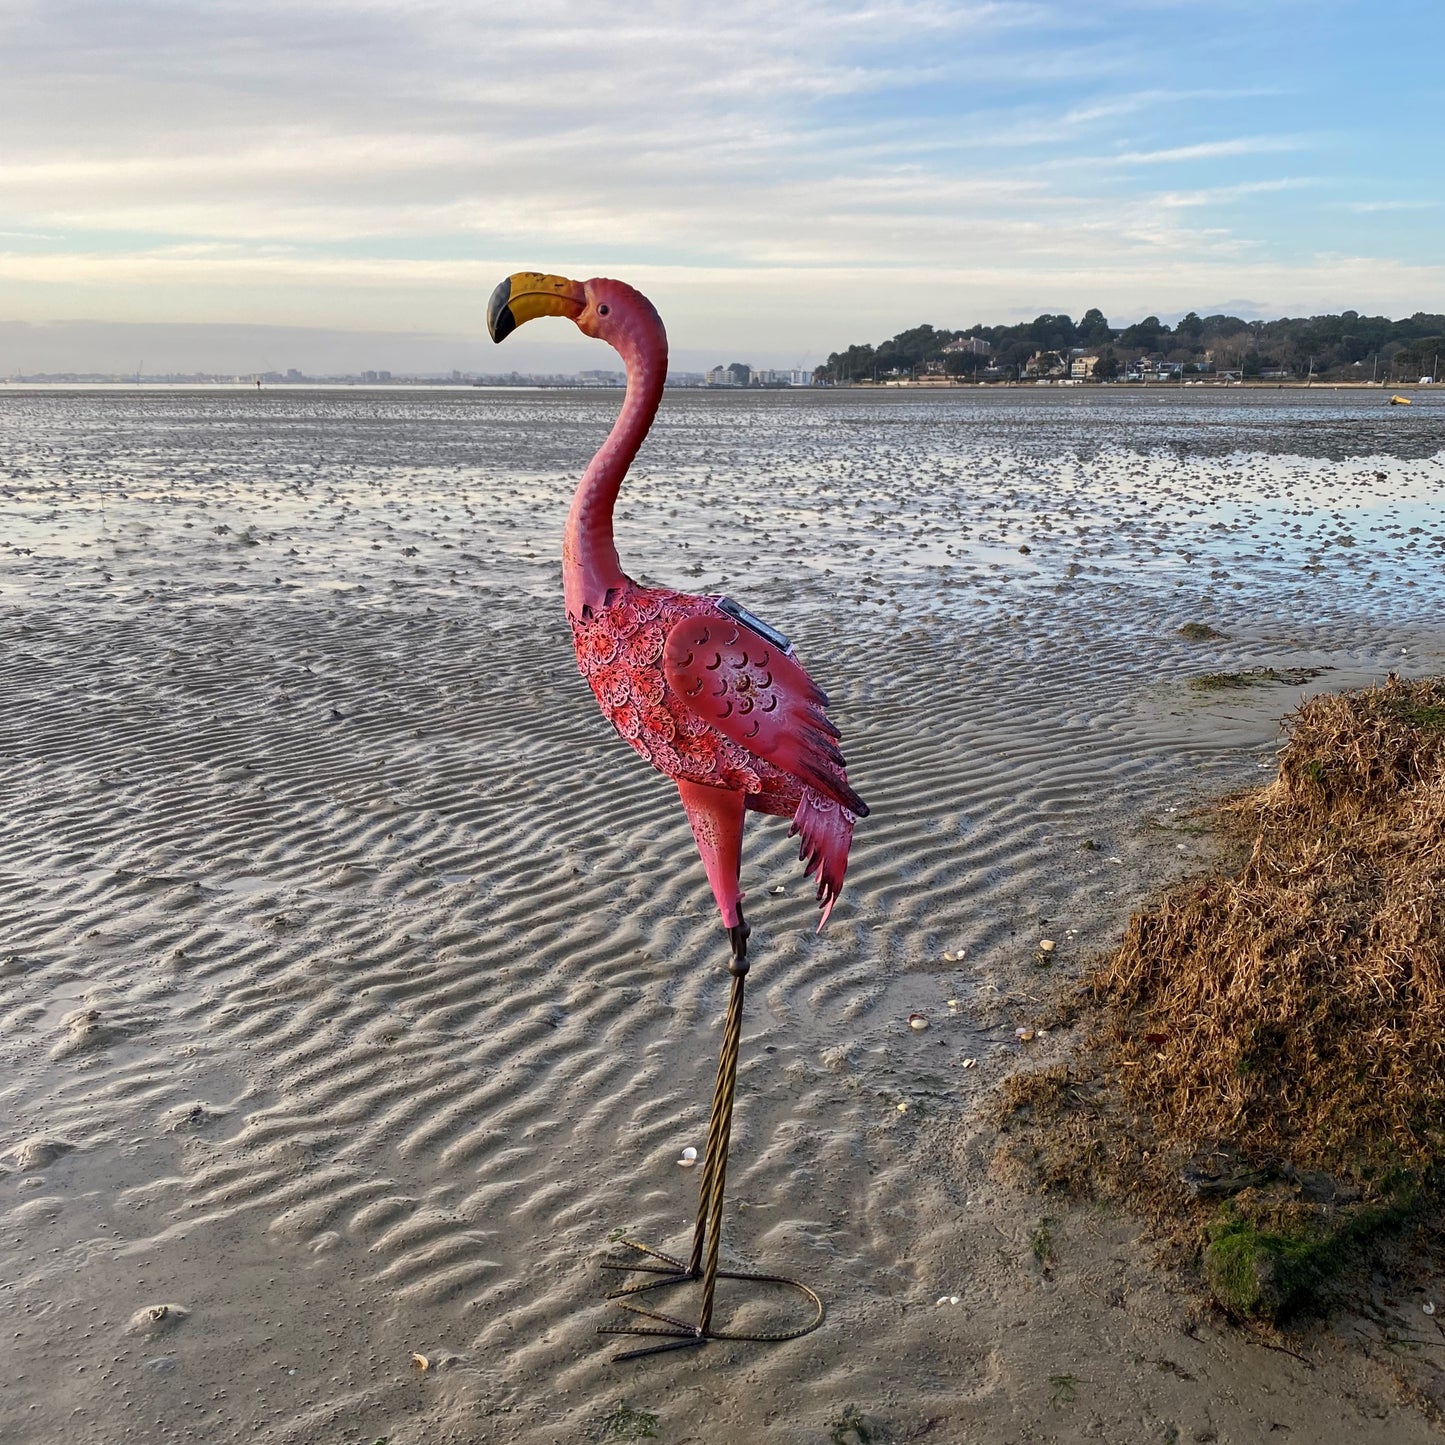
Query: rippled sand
point(357, 986)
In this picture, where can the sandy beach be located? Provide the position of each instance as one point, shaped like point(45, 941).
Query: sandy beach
point(358, 986)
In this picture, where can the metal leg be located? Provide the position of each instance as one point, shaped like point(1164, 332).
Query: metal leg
point(707, 1233)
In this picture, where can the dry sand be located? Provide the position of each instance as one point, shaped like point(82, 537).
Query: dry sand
point(357, 986)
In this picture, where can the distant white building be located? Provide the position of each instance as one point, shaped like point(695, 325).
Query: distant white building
point(736, 374)
point(780, 378)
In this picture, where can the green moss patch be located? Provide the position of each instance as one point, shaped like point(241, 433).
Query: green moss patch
point(1253, 677)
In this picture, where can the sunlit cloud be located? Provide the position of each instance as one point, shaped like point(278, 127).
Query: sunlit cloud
point(374, 162)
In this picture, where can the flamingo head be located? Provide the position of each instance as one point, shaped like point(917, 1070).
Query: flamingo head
point(611, 311)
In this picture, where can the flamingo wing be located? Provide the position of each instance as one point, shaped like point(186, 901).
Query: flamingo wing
point(758, 695)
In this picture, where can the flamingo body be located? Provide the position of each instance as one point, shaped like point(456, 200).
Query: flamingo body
point(709, 696)
point(721, 708)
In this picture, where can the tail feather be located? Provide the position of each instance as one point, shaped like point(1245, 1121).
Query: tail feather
point(826, 829)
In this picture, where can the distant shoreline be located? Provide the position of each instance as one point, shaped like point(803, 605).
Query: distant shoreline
point(950, 383)
point(929, 383)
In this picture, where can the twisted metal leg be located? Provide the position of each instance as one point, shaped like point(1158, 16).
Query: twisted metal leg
point(707, 1232)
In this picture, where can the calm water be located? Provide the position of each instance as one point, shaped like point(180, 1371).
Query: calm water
point(902, 501)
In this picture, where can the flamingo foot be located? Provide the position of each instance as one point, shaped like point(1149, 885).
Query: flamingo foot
point(738, 935)
point(677, 1334)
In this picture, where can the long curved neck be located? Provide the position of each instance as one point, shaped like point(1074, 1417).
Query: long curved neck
point(590, 566)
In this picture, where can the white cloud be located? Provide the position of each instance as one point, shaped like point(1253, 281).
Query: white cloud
point(380, 163)
point(1369, 208)
point(1210, 150)
point(1222, 195)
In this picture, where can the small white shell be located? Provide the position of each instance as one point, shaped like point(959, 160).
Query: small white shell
point(1428, 1307)
point(689, 1157)
point(969, 1063)
point(917, 1021)
point(1023, 1035)
point(153, 1319)
point(1047, 945)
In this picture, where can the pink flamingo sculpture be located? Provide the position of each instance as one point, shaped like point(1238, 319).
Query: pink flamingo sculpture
point(709, 695)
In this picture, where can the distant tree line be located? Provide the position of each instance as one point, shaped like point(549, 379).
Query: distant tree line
point(1344, 347)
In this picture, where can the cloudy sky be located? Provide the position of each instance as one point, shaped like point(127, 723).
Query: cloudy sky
point(248, 183)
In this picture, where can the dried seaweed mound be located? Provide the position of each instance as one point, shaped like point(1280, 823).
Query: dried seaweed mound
point(1297, 1009)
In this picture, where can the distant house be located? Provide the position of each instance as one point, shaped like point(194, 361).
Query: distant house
point(1081, 367)
point(1045, 364)
point(1150, 368)
point(968, 346)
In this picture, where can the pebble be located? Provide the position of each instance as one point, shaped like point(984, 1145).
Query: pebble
point(38, 1151)
point(154, 1319)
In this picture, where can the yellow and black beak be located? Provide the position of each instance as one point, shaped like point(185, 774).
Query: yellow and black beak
point(529, 294)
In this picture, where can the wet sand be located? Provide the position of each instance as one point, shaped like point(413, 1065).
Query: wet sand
point(357, 986)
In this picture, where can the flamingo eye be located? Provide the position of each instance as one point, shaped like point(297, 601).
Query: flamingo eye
point(603, 309)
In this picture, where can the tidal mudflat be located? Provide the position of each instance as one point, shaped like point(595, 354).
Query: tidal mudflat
point(356, 985)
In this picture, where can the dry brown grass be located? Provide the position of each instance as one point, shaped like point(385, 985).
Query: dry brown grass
point(1297, 1008)
point(1265, 1072)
